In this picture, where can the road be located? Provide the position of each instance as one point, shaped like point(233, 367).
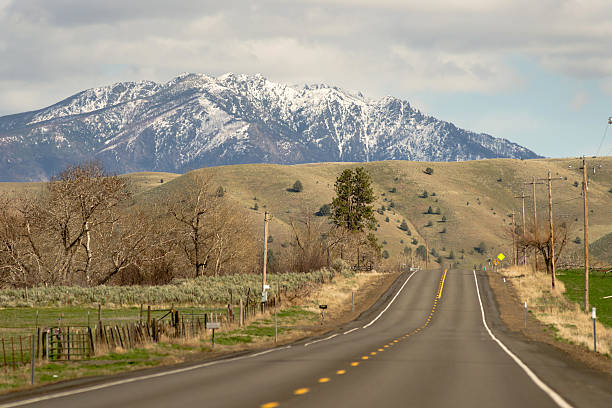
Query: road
point(424, 344)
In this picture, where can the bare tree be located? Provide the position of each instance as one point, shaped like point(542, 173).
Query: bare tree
point(543, 245)
point(54, 232)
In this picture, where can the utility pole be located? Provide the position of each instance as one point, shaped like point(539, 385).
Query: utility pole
point(551, 228)
point(585, 188)
point(522, 197)
point(535, 219)
point(265, 258)
point(426, 255)
point(514, 249)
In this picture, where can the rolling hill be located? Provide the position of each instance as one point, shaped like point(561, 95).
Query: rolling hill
point(475, 197)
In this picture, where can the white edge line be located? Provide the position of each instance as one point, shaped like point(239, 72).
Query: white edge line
point(134, 379)
point(549, 391)
point(316, 341)
point(350, 331)
point(390, 303)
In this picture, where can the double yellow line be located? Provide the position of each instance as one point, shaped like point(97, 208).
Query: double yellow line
point(442, 284)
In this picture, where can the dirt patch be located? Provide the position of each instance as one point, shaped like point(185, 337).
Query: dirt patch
point(512, 314)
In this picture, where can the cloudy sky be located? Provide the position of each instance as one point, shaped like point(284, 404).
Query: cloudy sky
point(536, 72)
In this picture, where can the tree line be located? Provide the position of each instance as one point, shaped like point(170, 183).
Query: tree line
point(85, 227)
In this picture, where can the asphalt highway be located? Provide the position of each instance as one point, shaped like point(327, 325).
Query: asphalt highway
point(434, 339)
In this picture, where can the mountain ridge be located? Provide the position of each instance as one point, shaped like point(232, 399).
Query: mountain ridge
point(196, 120)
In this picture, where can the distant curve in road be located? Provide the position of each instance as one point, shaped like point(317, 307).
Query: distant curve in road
point(426, 343)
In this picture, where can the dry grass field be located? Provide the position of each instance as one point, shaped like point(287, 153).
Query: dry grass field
point(555, 310)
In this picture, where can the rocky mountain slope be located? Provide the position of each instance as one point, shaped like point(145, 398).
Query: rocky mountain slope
point(198, 121)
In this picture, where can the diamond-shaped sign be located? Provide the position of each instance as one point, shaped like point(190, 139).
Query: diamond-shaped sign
point(501, 256)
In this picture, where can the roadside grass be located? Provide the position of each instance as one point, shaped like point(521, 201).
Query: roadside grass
point(600, 286)
point(563, 317)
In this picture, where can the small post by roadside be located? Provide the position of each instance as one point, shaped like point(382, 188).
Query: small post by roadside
point(275, 326)
point(352, 301)
point(323, 308)
point(213, 326)
point(594, 331)
point(525, 314)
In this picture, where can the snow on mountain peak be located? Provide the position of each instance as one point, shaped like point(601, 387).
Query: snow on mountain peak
point(197, 120)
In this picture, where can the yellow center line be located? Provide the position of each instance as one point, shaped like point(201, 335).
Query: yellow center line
point(365, 357)
point(442, 284)
point(273, 404)
point(301, 391)
point(340, 372)
point(354, 363)
point(381, 349)
point(373, 353)
point(323, 380)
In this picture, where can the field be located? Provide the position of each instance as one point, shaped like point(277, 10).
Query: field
point(600, 287)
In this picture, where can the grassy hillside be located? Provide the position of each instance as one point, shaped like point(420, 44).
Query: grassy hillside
point(475, 197)
point(601, 250)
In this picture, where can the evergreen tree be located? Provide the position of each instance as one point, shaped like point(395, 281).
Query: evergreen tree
point(404, 225)
point(297, 186)
point(324, 211)
point(351, 208)
point(220, 192)
point(421, 252)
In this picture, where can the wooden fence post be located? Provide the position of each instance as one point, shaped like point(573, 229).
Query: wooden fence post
point(241, 319)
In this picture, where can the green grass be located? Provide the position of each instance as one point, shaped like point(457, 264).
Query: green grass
point(19, 321)
point(600, 286)
point(286, 320)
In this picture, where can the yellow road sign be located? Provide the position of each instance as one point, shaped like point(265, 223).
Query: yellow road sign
point(501, 256)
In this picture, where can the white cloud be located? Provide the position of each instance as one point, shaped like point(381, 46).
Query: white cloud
point(380, 47)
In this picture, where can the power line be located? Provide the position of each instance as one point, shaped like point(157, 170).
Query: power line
point(604, 136)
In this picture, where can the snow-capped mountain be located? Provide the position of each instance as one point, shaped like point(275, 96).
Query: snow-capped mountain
point(197, 120)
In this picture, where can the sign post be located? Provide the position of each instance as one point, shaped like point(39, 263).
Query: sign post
point(213, 326)
point(322, 307)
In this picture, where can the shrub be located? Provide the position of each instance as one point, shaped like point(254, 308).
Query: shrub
point(575, 184)
point(430, 210)
point(256, 207)
point(297, 186)
point(386, 219)
point(404, 226)
point(444, 218)
point(451, 255)
point(443, 231)
point(424, 195)
point(391, 204)
point(429, 224)
point(220, 192)
point(385, 254)
point(393, 190)
point(428, 171)
point(415, 241)
point(324, 211)
point(577, 240)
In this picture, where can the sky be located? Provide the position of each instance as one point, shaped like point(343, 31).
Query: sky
point(538, 73)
